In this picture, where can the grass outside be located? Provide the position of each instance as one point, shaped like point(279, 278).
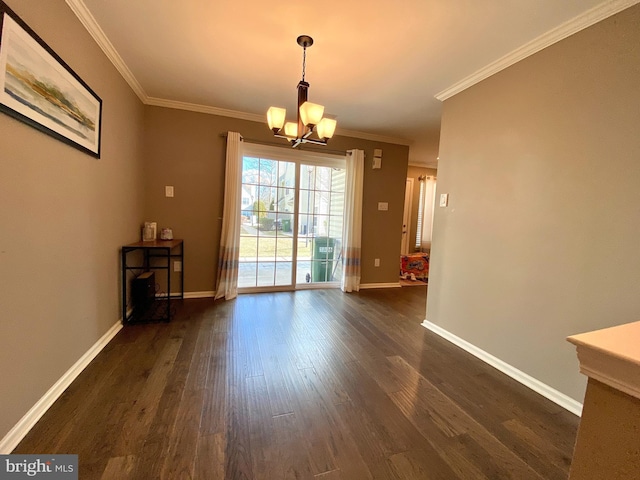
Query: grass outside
point(267, 245)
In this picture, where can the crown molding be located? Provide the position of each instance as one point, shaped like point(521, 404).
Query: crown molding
point(194, 107)
point(373, 137)
point(87, 19)
point(582, 21)
point(413, 163)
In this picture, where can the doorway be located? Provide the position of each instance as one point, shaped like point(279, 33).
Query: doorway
point(291, 219)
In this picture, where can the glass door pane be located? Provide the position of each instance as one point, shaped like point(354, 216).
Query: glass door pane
point(266, 232)
point(320, 219)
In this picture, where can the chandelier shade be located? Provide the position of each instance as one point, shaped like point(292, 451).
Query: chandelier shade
point(276, 117)
point(309, 115)
point(326, 127)
point(291, 129)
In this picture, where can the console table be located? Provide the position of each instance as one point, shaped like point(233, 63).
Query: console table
point(165, 251)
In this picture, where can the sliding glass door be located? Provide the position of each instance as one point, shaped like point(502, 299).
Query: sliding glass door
point(291, 216)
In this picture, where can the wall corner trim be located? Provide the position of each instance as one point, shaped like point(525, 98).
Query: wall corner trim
point(26, 423)
point(574, 25)
point(534, 384)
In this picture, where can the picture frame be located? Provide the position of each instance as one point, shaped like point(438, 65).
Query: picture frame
point(38, 88)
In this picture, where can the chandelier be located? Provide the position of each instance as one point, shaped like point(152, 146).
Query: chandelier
point(310, 115)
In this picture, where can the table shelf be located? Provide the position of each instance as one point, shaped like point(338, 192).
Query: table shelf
point(165, 251)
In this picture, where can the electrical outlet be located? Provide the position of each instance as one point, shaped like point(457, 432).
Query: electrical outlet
point(168, 191)
point(177, 266)
point(376, 262)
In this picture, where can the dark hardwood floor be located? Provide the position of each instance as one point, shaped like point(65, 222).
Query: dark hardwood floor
point(313, 384)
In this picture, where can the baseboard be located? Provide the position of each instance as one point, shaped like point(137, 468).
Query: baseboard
point(26, 423)
point(365, 286)
point(534, 384)
point(199, 294)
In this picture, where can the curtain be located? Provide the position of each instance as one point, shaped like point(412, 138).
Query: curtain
point(425, 213)
point(352, 234)
point(230, 235)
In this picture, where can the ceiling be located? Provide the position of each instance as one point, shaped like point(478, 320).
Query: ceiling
point(377, 65)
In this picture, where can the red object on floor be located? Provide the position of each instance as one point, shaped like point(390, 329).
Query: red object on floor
point(416, 264)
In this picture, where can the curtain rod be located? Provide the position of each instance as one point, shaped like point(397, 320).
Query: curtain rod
point(274, 144)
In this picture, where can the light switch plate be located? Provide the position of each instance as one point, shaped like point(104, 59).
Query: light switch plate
point(377, 152)
point(383, 206)
point(377, 163)
point(444, 199)
point(168, 191)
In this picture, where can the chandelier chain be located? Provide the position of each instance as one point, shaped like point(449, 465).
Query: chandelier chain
point(304, 61)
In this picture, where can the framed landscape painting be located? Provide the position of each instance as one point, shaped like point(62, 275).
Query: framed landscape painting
point(40, 89)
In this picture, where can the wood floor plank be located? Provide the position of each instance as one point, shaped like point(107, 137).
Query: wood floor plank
point(336, 435)
point(210, 458)
point(238, 461)
point(119, 467)
point(291, 462)
point(313, 384)
point(215, 406)
point(332, 475)
point(438, 418)
point(368, 441)
point(182, 447)
point(135, 426)
point(532, 447)
point(414, 464)
point(262, 435)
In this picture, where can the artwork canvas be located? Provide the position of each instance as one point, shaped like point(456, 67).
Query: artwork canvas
point(38, 88)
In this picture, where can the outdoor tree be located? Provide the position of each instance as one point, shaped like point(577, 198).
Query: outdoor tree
point(259, 209)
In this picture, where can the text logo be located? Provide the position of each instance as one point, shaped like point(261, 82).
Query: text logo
point(50, 467)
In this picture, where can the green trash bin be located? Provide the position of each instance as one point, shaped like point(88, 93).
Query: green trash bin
point(322, 259)
point(286, 225)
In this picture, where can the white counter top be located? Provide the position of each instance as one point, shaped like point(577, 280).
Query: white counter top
point(611, 356)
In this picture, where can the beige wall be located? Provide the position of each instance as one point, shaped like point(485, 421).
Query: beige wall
point(185, 149)
point(63, 217)
point(424, 150)
point(415, 172)
point(540, 239)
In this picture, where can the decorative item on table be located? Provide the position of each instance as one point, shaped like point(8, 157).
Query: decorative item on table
point(166, 234)
point(149, 231)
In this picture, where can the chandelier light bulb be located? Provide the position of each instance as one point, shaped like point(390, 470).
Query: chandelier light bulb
point(276, 117)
